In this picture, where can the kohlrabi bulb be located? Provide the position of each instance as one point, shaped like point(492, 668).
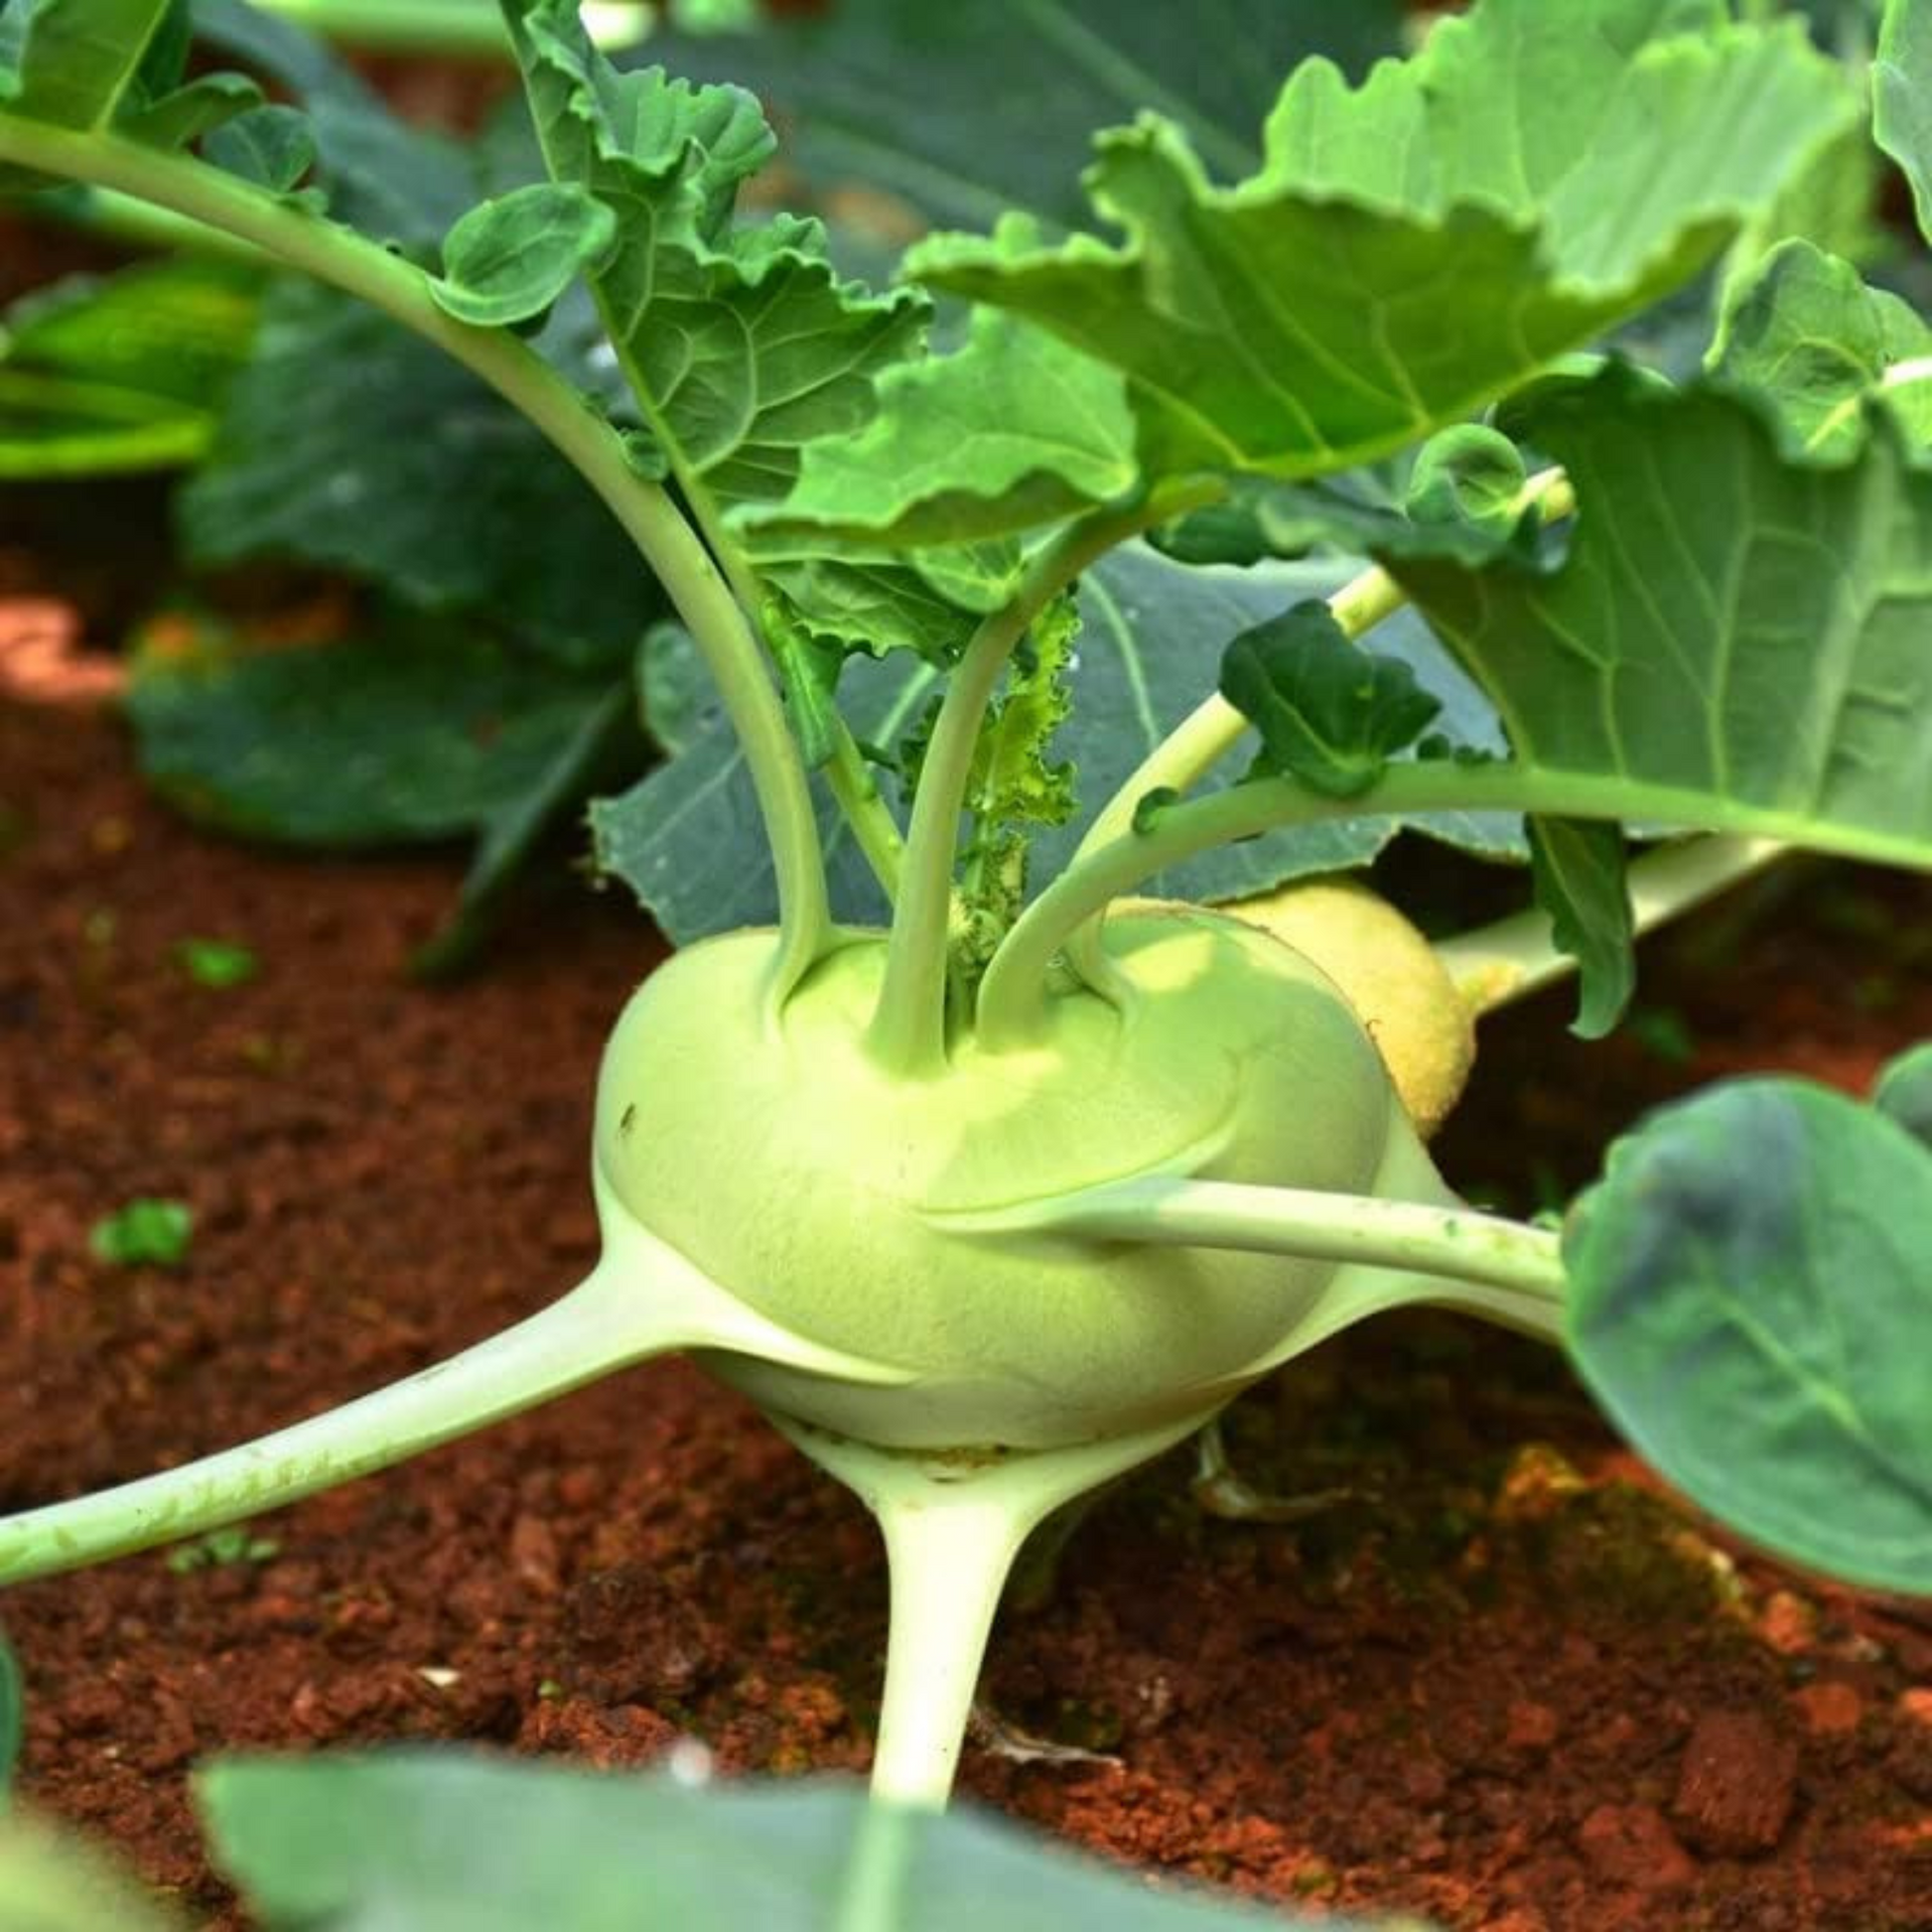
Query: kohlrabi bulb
point(779, 1158)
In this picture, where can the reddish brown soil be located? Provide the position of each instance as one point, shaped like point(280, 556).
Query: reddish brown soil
point(1511, 1686)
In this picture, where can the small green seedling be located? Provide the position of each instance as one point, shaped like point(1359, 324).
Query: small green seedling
point(223, 1549)
point(147, 1230)
point(217, 963)
point(1001, 1188)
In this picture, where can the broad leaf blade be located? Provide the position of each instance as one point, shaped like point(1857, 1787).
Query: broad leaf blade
point(1749, 1285)
point(70, 62)
point(1534, 175)
point(1733, 642)
point(442, 1842)
point(686, 840)
point(969, 109)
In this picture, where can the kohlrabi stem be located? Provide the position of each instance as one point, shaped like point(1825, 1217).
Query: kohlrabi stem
point(1014, 993)
point(952, 1527)
point(598, 1327)
point(1523, 1265)
point(908, 1027)
point(1495, 964)
point(1214, 727)
point(448, 29)
point(690, 577)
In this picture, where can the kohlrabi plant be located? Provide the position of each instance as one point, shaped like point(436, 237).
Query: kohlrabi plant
point(992, 1192)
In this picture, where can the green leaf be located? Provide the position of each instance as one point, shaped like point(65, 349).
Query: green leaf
point(1013, 431)
point(741, 343)
point(437, 1842)
point(1732, 641)
point(272, 146)
point(217, 963)
point(808, 669)
point(1468, 476)
point(686, 839)
point(208, 102)
point(1749, 1296)
point(509, 259)
point(350, 443)
point(1806, 334)
point(1902, 1092)
point(53, 1882)
point(1576, 867)
point(973, 108)
point(70, 62)
point(359, 744)
point(1533, 174)
point(1901, 97)
point(145, 1230)
point(1329, 713)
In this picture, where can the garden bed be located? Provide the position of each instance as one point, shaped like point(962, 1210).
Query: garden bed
point(1508, 1683)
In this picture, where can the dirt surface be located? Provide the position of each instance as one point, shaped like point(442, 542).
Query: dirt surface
point(1508, 1685)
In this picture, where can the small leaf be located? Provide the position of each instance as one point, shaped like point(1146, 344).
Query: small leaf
point(1805, 332)
point(271, 147)
point(1576, 867)
point(1329, 713)
point(188, 113)
point(13, 1719)
point(1468, 475)
point(53, 1881)
point(147, 1229)
point(809, 672)
point(509, 259)
point(1750, 1298)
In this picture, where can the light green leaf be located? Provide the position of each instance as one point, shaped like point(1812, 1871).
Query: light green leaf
point(973, 108)
point(1468, 475)
point(686, 840)
point(146, 1231)
point(442, 1842)
point(1328, 712)
point(741, 343)
point(509, 259)
point(1806, 334)
point(1901, 97)
point(1904, 1092)
point(1577, 868)
point(1732, 641)
point(1534, 174)
point(70, 62)
point(1012, 431)
point(1749, 1298)
point(208, 101)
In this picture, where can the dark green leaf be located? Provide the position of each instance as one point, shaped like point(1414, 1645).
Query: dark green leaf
point(1577, 870)
point(972, 108)
point(1750, 1299)
point(1535, 174)
point(1904, 1092)
point(145, 1230)
point(686, 840)
point(509, 259)
point(1732, 641)
point(1329, 713)
point(440, 1843)
point(273, 147)
point(1805, 332)
point(13, 1719)
point(349, 745)
point(350, 442)
point(1901, 97)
